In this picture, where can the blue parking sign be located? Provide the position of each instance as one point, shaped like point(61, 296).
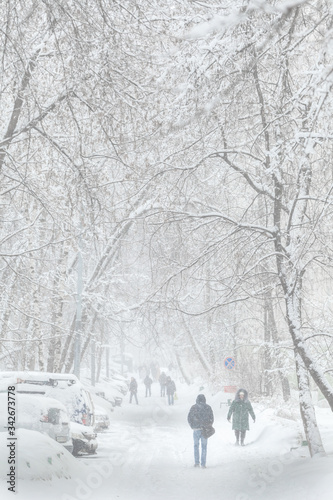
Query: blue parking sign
point(229, 363)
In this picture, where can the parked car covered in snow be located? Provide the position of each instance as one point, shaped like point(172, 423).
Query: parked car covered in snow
point(111, 395)
point(84, 439)
point(39, 413)
point(102, 421)
point(107, 389)
point(67, 389)
point(119, 381)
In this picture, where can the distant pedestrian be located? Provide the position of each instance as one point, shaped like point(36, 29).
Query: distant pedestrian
point(148, 381)
point(133, 387)
point(154, 370)
point(200, 417)
point(143, 371)
point(170, 390)
point(163, 380)
point(239, 410)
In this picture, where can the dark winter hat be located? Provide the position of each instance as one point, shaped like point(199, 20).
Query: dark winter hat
point(201, 399)
point(241, 391)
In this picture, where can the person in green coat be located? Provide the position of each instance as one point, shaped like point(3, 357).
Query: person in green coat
point(239, 410)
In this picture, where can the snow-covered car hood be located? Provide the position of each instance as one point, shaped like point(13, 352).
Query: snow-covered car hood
point(86, 430)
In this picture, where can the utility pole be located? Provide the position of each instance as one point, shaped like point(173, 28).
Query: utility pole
point(93, 360)
point(78, 320)
point(122, 348)
point(107, 360)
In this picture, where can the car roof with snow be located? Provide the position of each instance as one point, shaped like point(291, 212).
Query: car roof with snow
point(29, 407)
point(19, 376)
point(64, 387)
point(23, 401)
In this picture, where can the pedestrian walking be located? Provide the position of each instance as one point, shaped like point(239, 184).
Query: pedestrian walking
point(200, 418)
point(154, 370)
point(239, 410)
point(133, 387)
point(170, 390)
point(148, 381)
point(163, 380)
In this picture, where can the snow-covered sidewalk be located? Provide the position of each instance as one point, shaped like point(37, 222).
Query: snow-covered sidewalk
point(148, 454)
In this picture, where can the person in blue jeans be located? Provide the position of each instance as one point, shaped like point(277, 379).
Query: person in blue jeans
point(200, 416)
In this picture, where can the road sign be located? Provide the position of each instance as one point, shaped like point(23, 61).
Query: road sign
point(230, 388)
point(229, 363)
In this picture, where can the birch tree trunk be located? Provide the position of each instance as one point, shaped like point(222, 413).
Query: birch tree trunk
point(275, 338)
point(268, 363)
point(307, 409)
point(182, 369)
point(198, 352)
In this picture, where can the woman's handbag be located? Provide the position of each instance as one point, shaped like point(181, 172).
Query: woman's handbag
point(206, 432)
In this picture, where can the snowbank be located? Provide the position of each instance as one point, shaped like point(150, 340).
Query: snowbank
point(38, 457)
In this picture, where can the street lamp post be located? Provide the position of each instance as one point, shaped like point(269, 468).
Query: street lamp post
point(78, 319)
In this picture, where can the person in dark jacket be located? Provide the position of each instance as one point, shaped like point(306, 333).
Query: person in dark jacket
point(239, 410)
point(200, 416)
point(162, 380)
point(148, 381)
point(133, 387)
point(170, 390)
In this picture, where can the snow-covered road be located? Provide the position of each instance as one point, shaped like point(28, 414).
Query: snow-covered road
point(148, 455)
point(154, 447)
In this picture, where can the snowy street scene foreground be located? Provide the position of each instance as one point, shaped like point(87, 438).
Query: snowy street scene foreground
point(147, 454)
